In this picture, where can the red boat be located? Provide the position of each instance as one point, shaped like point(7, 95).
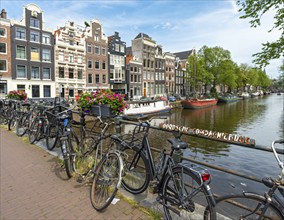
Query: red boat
point(198, 103)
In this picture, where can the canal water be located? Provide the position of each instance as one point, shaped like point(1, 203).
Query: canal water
point(260, 118)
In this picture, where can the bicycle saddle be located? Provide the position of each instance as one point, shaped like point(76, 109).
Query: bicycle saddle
point(177, 144)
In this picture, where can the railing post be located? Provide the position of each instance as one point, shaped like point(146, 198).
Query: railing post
point(117, 125)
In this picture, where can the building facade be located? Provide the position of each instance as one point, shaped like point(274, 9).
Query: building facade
point(134, 77)
point(32, 54)
point(159, 72)
point(143, 48)
point(117, 64)
point(70, 62)
point(96, 56)
point(5, 54)
point(170, 73)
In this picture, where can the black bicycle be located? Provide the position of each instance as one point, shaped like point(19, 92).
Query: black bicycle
point(182, 188)
point(249, 205)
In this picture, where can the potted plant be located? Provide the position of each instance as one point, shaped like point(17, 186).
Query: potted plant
point(17, 95)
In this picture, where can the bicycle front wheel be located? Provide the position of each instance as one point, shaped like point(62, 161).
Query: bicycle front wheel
point(34, 130)
point(136, 176)
point(184, 197)
point(246, 206)
point(106, 181)
point(51, 137)
point(22, 124)
point(65, 148)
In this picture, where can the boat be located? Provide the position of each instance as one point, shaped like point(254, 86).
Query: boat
point(227, 98)
point(255, 94)
point(244, 95)
point(198, 103)
point(144, 109)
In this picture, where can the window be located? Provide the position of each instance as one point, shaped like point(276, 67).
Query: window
point(3, 48)
point(90, 78)
point(46, 73)
point(90, 64)
point(96, 37)
point(34, 53)
point(117, 47)
point(97, 78)
point(35, 73)
point(34, 23)
point(103, 51)
point(122, 48)
point(2, 32)
point(111, 73)
point(97, 64)
point(71, 92)
point(79, 59)
point(61, 72)
point(20, 33)
point(21, 71)
point(46, 91)
point(61, 56)
point(20, 52)
point(71, 34)
point(71, 73)
point(80, 74)
point(3, 65)
point(71, 42)
point(46, 38)
point(104, 65)
point(89, 49)
point(46, 55)
point(104, 78)
point(35, 91)
point(21, 88)
point(97, 50)
point(34, 36)
point(71, 58)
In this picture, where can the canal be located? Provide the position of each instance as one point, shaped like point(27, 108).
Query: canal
point(260, 118)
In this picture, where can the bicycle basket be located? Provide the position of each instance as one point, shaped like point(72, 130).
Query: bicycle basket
point(52, 114)
point(135, 138)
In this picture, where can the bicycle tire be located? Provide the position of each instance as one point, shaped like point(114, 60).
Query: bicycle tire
point(136, 175)
point(106, 181)
point(12, 122)
point(65, 148)
point(51, 137)
point(244, 206)
point(34, 130)
point(177, 186)
point(22, 125)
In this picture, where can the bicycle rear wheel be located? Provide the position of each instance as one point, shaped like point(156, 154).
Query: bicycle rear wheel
point(65, 148)
point(106, 181)
point(136, 176)
point(12, 122)
point(183, 196)
point(245, 206)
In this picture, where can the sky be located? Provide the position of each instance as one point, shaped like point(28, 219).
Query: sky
point(177, 25)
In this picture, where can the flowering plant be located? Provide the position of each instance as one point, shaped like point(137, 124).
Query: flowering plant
point(103, 97)
point(18, 95)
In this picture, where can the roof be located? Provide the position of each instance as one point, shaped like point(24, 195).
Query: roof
point(184, 54)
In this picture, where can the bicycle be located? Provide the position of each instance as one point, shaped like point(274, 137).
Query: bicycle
point(249, 205)
point(183, 189)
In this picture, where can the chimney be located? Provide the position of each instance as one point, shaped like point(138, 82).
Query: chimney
point(3, 14)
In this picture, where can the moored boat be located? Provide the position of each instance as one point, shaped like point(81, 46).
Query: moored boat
point(244, 95)
point(198, 103)
point(255, 94)
point(144, 109)
point(227, 98)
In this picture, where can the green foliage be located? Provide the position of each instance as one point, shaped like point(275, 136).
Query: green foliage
point(254, 10)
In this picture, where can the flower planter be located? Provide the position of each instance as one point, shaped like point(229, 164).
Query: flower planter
point(102, 110)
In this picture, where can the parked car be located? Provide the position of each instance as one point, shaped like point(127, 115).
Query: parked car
point(172, 99)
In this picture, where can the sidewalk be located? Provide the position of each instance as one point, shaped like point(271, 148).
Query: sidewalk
point(33, 186)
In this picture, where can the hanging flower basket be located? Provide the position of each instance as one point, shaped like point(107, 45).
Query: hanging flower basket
point(102, 110)
point(102, 103)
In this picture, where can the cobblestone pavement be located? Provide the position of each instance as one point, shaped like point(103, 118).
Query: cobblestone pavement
point(34, 186)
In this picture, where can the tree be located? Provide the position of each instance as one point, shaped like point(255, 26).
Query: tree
point(213, 57)
point(255, 10)
point(228, 76)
